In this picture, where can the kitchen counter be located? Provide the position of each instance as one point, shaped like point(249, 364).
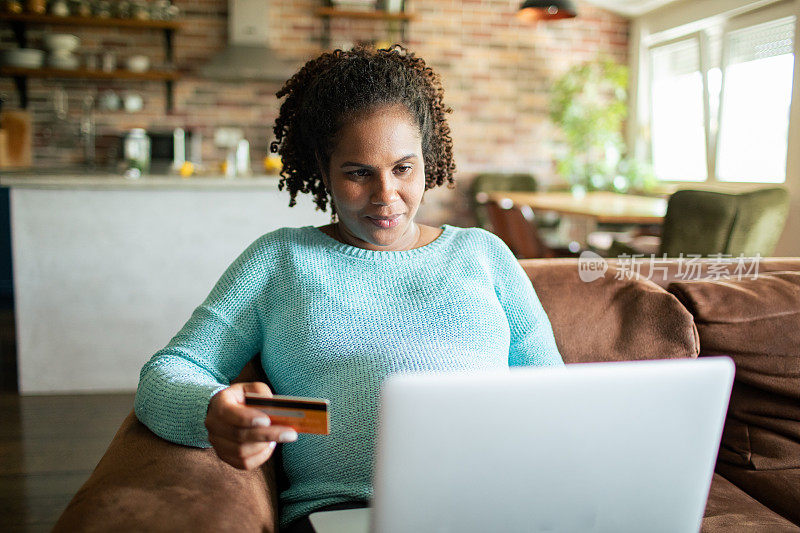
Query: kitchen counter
point(107, 270)
point(94, 180)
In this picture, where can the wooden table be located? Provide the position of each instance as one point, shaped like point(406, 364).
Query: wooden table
point(603, 207)
point(582, 213)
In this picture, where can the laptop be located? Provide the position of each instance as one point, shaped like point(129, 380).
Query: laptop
point(614, 447)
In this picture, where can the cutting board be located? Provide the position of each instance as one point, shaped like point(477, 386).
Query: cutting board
point(16, 139)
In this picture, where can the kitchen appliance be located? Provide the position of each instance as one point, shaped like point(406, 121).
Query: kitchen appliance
point(248, 55)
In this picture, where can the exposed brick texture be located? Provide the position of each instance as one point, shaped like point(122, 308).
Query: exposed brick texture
point(497, 72)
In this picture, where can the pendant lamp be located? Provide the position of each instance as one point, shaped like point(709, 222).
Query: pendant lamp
point(536, 10)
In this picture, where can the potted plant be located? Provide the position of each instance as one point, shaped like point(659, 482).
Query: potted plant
point(589, 104)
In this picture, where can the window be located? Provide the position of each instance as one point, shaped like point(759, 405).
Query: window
point(755, 102)
point(677, 124)
point(720, 102)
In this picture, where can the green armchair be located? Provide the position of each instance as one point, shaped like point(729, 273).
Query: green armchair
point(708, 223)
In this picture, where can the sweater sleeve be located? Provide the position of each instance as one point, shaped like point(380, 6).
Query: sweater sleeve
point(222, 335)
point(532, 340)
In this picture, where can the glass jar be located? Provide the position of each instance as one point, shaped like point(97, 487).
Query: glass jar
point(12, 7)
point(137, 150)
point(140, 10)
point(158, 9)
point(38, 7)
point(81, 8)
point(102, 9)
point(123, 10)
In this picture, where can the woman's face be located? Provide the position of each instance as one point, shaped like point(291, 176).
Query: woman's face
point(377, 178)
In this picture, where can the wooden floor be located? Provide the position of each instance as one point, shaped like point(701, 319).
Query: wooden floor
point(48, 444)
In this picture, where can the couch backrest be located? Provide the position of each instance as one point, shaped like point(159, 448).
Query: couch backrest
point(757, 323)
point(610, 319)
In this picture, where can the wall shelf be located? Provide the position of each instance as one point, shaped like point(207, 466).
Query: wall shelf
point(374, 15)
point(20, 22)
point(150, 75)
point(327, 13)
point(91, 21)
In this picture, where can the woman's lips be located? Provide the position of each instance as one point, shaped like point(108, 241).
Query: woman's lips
point(384, 222)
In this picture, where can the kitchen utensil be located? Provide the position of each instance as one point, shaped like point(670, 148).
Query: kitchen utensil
point(22, 58)
point(18, 133)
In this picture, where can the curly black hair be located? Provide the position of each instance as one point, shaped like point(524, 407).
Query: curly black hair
point(335, 87)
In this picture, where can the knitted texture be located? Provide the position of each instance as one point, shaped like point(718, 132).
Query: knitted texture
point(333, 321)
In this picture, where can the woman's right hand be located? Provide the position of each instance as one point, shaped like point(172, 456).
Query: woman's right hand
point(243, 436)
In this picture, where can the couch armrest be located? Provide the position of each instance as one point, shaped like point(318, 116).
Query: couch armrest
point(145, 483)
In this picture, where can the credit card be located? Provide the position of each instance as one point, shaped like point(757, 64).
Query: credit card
point(304, 415)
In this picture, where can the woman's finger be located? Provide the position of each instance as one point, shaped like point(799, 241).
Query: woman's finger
point(253, 434)
point(226, 406)
point(238, 458)
point(257, 387)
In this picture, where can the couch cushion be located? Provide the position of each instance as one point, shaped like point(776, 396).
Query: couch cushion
point(144, 483)
point(730, 510)
point(757, 323)
point(610, 319)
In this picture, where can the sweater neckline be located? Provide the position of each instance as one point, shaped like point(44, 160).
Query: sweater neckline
point(361, 253)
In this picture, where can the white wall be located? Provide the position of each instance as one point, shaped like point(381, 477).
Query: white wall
point(690, 16)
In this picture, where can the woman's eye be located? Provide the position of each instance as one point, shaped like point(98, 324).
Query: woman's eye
point(360, 173)
point(404, 169)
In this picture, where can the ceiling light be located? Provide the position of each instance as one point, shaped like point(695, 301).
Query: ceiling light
point(536, 10)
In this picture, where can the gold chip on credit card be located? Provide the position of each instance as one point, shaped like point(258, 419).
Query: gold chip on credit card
point(304, 415)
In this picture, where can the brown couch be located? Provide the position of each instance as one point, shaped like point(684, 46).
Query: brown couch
point(144, 483)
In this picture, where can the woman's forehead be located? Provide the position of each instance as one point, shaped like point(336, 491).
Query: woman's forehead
point(385, 131)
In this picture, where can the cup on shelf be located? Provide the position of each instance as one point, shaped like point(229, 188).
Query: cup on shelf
point(59, 8)
point(138, 63)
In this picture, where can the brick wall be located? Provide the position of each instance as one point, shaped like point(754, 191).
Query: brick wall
point(496, 71)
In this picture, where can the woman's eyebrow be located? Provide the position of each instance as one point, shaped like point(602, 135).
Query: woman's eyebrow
point(354, 164)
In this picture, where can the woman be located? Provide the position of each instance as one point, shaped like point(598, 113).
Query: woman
point(334, 310)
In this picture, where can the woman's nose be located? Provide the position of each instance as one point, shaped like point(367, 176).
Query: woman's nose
point(385, 192)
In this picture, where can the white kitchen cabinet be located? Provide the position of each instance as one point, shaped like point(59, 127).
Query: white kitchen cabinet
point(107, 271)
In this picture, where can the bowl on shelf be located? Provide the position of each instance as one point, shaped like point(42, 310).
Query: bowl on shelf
point(62, 42)
point(138, 63)
point(22, 58)
point(63, 62)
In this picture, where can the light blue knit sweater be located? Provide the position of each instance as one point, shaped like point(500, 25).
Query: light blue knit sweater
point(332, 321)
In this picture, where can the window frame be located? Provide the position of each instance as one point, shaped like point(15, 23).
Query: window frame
point(701, 40)
point(701, 30)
